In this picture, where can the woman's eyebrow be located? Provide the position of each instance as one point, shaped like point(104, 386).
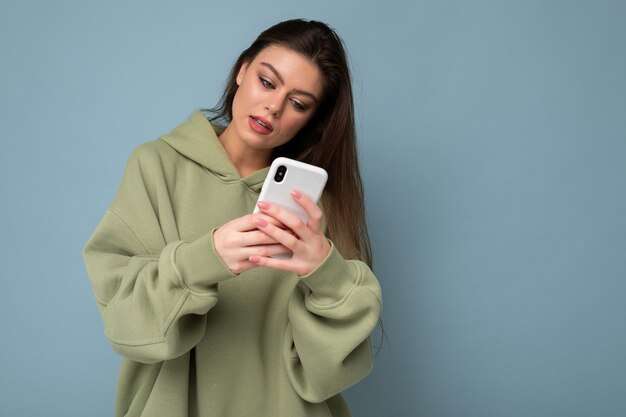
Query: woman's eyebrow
point(280, 78)
point(268, 65)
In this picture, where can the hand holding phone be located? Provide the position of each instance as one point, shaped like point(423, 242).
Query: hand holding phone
point(285, 175)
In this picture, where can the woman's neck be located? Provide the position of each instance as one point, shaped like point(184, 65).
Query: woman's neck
point(247, 160)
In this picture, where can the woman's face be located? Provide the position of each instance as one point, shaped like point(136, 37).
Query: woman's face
point(278, 93)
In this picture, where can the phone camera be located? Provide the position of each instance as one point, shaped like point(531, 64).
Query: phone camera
point(280, 173)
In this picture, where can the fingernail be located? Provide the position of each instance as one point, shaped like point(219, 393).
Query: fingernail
point(260, 222)
point(263, 205)
point(296, 194)
point(253, 258)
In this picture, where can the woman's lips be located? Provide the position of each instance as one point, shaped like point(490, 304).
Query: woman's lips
point(260, 125)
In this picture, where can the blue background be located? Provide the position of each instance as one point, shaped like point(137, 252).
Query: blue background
point(493, 149)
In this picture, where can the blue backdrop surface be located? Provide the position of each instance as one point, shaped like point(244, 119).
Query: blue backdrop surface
point(493, 148)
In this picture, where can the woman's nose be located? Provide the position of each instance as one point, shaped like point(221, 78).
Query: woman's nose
point(274, 109)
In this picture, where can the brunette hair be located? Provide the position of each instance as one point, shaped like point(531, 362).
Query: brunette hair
point(329, 138)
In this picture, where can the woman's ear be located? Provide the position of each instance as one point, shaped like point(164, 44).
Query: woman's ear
point(242, 72)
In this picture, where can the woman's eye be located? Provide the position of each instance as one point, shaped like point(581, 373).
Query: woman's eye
point(299, 106)
point(266, 83)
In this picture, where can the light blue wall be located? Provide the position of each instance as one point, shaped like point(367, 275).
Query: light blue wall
point(493, 146)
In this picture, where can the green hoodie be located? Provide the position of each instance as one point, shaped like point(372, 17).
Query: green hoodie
point(198, 339)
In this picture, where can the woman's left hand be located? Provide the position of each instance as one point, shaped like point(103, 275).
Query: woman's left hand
point(309, 245)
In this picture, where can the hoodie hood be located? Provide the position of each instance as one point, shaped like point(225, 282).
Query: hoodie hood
point(197, 139)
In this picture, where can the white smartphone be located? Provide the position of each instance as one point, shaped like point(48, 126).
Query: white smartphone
point(284, 175)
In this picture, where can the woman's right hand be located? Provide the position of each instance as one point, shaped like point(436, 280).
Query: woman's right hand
point(240, 238)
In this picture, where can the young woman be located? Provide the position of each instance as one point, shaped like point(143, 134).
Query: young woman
point(207, 321)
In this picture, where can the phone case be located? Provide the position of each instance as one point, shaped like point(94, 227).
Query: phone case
point(308, 179)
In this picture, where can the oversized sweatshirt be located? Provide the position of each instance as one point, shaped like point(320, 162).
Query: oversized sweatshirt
point(197, 339)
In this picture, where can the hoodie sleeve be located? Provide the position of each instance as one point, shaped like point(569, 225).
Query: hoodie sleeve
point(332, 312)
point(153, 293)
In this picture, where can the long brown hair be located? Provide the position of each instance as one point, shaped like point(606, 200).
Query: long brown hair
point(329, 138)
